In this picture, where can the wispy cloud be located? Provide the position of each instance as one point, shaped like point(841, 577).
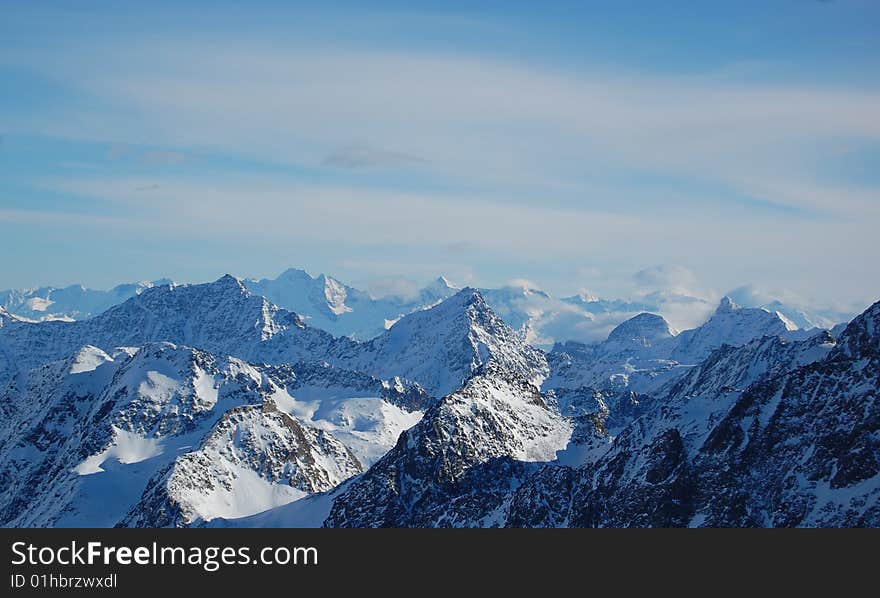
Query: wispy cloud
point(392, 286)
point(357, 218)
point(474, 119)
point(365, 156)
point(119, 151)
point(670, 278)
point(472, 160)
point(163, 158)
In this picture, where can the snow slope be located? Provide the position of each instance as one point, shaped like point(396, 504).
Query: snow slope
point(253, 459)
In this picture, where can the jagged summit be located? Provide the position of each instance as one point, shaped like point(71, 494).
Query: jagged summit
point(730, 324)
point(861, 337)
point(229, 279)
point(441, 282)
point(453, 468)
point(726, 305)
point(583, 298)
point(464, 298)
point(327, 303)
point(437, 290)
point(202, 401)
point(226, 284)
point(443, 346)
point(439, 347)
point(223, 317)
point(323, 293)
point(644, 352)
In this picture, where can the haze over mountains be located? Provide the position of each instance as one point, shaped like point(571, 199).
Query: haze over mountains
point(210, 404)
point(329, 304)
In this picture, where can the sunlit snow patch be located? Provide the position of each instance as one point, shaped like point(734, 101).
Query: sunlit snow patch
point(88, 359)
point(128, 447)
point(251, 494)
point(38, 304)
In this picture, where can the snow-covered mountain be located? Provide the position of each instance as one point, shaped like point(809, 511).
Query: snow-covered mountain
point(168, 435)
point(95, 427)
point(796, 447)
point(192, 405)
point(222, 317)
point(255, 458)
point(73, 302)
point(773, 433)
point(457, 465)
point(732, 325)
point(644, 352)
point(331, 305)
point(803, 317)
point(440, 348)
point(326, 303)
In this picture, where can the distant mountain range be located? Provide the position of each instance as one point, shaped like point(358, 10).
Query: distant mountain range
point(331, 305)
point(212, 405)
point(73, 302)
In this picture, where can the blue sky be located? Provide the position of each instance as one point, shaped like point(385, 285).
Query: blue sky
point(574, 143)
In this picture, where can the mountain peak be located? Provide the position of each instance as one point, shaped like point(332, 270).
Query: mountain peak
point(861, 338)
point(643, 327)
point(440, 286)
point(731, 325)
point(726, 305)
point(335, 293)
point(443, 282)
point(437, 290)
point(444, 345)
point(466, 297)
point(295, 274)
point(230, 282)
point(585, 297)
point(465, 300)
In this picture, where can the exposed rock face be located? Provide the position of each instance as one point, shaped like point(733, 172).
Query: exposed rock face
point(203, 434)
point(797, 447)
point(254, 458)
point(90, 414)
point(439, 348)
point(457, 466)
point(448, 418)
point(221, 317)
